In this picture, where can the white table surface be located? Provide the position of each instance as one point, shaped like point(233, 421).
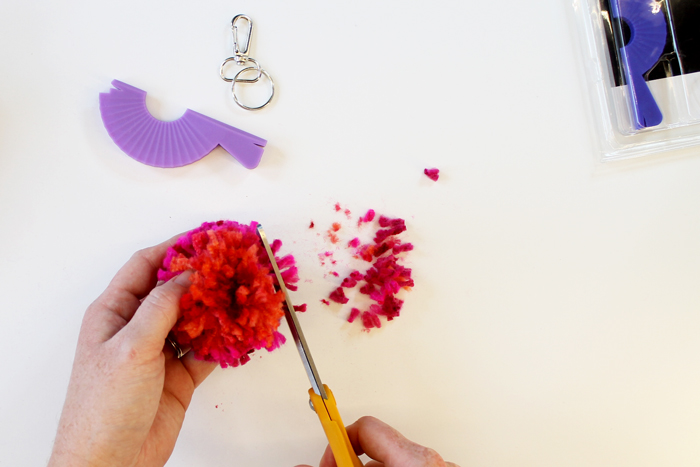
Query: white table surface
point(555, 317)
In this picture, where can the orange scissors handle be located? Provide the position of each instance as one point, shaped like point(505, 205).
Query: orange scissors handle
point(334, 427)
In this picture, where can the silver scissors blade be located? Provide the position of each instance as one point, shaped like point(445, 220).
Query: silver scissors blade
point(293, 323)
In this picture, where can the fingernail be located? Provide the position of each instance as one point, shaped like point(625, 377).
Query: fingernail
point(183, 279)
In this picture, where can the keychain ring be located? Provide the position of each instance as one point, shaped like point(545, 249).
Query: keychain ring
point(249, 81)
point(239, 62)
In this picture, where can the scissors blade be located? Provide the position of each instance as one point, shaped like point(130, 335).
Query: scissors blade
point(293, 323)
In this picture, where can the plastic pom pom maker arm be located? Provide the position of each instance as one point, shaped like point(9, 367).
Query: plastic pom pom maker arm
point(322, 400)
point(648, 38)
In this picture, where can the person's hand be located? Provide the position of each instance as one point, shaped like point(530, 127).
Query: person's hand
point(386, 446)
point(128, 393)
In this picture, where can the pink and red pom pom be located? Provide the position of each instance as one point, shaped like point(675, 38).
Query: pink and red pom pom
point(232, 307)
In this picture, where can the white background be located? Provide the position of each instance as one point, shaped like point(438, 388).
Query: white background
point(555, 317)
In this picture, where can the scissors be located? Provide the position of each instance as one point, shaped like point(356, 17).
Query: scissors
point(321, 397)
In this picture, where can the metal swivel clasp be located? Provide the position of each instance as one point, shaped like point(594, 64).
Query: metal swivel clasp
point(241, 24)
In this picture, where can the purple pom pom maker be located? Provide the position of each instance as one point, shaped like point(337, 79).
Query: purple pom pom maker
point(648, 38)
point(171, 144)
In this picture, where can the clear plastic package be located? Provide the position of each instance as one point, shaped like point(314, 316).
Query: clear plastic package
point(641, 60)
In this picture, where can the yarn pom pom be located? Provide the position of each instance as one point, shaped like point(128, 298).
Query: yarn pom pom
point(233, 306)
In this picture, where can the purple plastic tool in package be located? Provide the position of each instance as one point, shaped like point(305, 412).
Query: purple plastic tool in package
point(171, 144)
point(641, 66)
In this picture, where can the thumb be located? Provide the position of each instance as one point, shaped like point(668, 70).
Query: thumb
point(383, 443)
point(158, 313)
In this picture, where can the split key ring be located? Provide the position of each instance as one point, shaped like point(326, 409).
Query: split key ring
point(240, 57)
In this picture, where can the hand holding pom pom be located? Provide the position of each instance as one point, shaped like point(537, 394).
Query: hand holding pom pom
point(128, 394)
point(233, 306)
